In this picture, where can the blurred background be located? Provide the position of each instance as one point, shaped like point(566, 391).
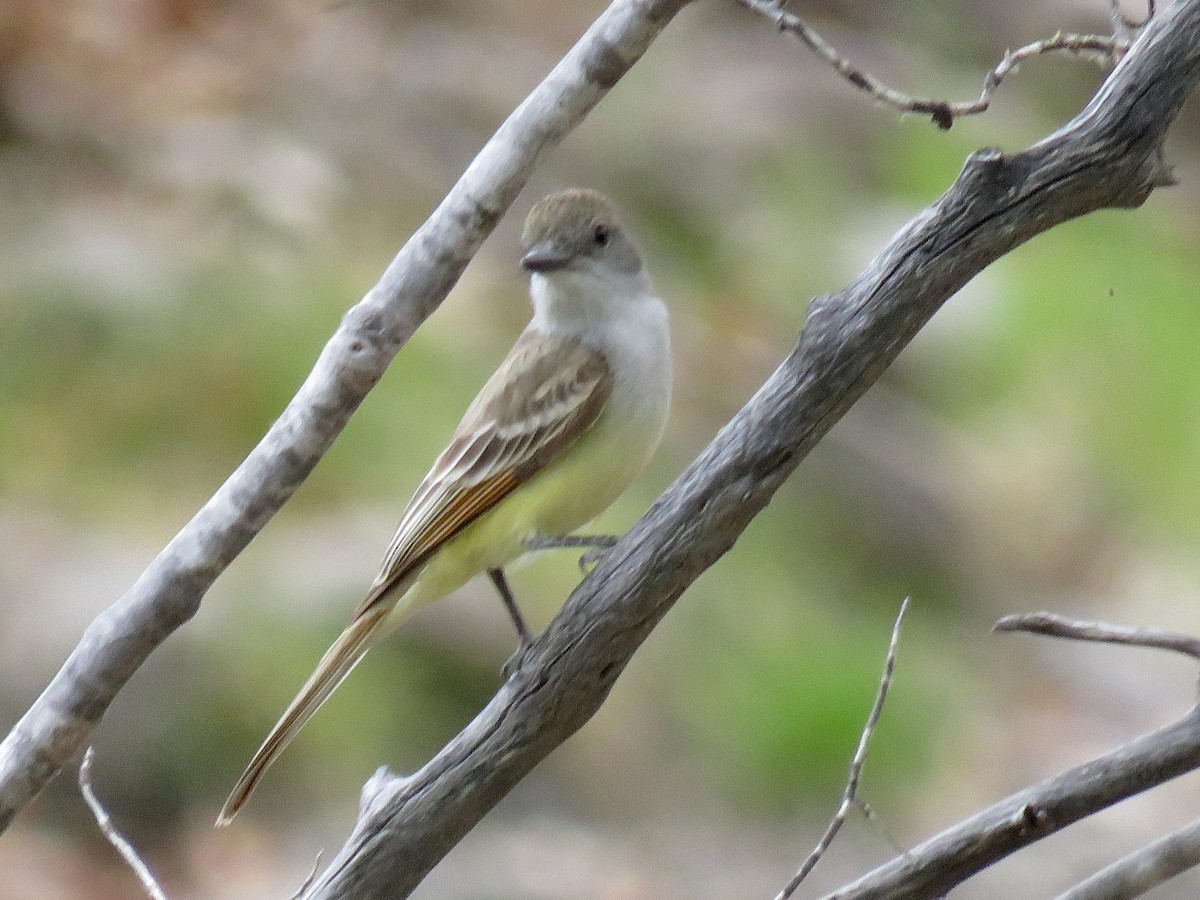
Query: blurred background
point(193, 191)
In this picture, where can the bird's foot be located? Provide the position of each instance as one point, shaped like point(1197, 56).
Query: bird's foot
point(589, 559)
point(514, 663)
point(597, 546)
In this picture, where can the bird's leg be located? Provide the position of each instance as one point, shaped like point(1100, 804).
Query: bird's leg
point(559, 541)
point(597, 544)
point(510, 603)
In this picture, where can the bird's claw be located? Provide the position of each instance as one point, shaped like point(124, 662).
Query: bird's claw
point(514, 663)
point(590, 558)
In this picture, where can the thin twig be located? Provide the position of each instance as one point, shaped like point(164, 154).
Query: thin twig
point(312, 876)
point(850, 794)
point(1100, 632)
point(110, 832)
point(1144, 869)
point(1107, 49)
point(1123, 25)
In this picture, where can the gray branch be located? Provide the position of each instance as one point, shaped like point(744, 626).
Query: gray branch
point(950, 858)
point(954, 855)
point(1053, 625)
point(1108, 156)
point(169, 592)
point(1103, 48)
point(1144, 869)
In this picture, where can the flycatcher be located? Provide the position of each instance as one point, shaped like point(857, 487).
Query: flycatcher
point(569, 419)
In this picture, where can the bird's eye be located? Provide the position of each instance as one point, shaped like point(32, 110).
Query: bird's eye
point(601, 235)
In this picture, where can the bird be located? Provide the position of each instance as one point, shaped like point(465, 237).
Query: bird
point(565, 424)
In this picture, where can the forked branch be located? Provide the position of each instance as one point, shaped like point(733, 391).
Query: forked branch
point(949, 858)
point(1106, 49)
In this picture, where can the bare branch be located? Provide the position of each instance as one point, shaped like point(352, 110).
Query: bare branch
point(936, 866)
point(1104, 48)
point(312, 876)
point(1143, 869)
point(951, 857)
point(1106, 157)
point(1122, 25)
point(110, 832)
point(169, 592)
point(850, 794)
point(1100, 632)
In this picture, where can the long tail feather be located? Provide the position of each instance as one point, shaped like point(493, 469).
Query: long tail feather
point(335, 665)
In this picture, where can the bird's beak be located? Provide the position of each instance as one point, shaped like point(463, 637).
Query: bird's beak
point(543, 257)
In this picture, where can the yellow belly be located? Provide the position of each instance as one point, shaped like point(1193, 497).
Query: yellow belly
point(564, 496)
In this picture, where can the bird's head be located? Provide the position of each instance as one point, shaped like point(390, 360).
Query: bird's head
point(576, 231)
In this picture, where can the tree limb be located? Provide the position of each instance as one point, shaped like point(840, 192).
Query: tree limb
point(1106, 157)
point(933, 868)
point(951, 857)
point(1142, 870)
point(1053, 625)
point(169, 592)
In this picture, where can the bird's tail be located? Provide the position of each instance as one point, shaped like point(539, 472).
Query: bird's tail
point(335, 665)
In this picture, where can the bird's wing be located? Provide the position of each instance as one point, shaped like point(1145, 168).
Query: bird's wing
point(546, 394)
